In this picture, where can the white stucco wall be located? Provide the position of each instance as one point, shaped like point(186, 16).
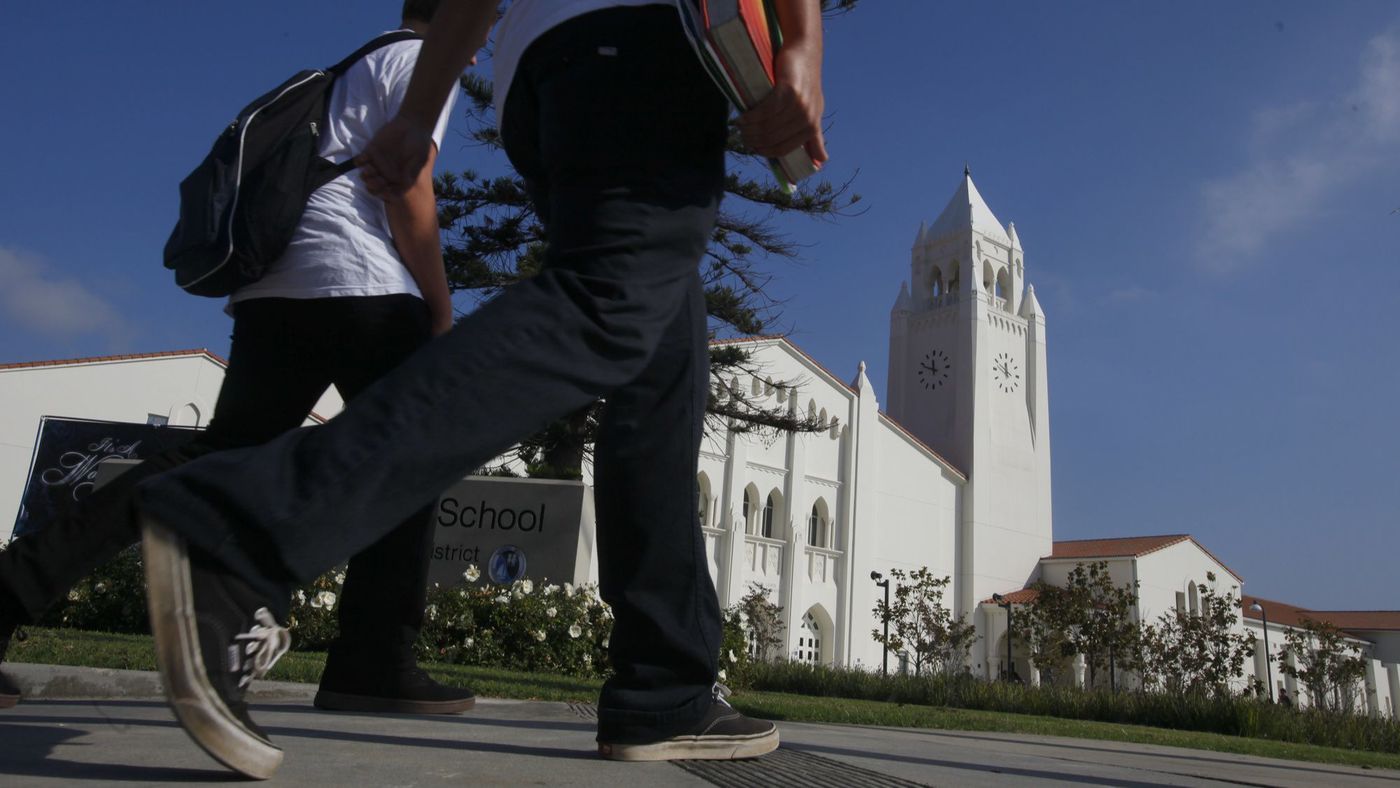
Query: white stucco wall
point(182, 388)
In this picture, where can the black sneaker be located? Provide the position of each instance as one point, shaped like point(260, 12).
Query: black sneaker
point(213, 636)
point(386, 689)
point(723, 734)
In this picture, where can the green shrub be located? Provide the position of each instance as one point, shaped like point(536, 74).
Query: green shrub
point(1230, 715)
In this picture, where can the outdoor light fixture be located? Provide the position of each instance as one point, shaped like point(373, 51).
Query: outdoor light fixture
point(1268, 658)
point(1001, 602)
point(885, 584)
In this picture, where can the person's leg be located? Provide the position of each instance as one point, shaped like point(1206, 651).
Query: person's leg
point(263, 393)
point(371, 665)
point(631, 144)
point(651, 553)
point(261, 396)
point(634, 199)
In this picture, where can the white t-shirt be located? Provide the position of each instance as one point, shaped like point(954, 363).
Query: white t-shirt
point(527, 20)
point(343, 245)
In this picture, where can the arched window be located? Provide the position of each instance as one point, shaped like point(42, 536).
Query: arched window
point(750, 522)
point(769, 509)
point(954, 277)
point(819, 532)
point(1193, 598)
point(988, 277)
point(809, 640)
point(1003, 287)
point(936, 285)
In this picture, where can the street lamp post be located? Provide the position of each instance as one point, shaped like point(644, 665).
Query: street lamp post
point(885, 584)
point(1268, 658)
point(1001, 602)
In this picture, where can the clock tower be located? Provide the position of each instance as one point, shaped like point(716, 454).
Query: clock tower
point(967, 375)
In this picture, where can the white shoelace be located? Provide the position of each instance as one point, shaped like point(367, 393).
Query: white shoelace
point(263, 645)
point(721, 692)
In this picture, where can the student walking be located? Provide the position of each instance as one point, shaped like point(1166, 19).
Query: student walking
point(359, 289)
point(620, 136)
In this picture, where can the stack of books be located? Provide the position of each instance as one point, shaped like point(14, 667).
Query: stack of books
point(736, 41)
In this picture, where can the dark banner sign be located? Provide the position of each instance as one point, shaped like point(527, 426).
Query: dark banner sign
point(67, 453)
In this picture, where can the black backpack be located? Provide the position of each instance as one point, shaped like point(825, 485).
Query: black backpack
point(240, 206)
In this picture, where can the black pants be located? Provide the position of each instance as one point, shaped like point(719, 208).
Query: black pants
point(285, 353)
point(621, 137)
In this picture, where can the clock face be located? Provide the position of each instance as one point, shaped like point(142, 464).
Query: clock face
point(934, 369)
point(1006, 372)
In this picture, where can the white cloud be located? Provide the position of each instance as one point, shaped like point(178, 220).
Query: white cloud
point(1303, 155)
point(32, 297)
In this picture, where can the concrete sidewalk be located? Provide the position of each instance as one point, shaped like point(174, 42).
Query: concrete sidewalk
point(98, 727)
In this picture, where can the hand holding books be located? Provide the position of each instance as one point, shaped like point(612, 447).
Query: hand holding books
point(789, 118)
point(765, 55)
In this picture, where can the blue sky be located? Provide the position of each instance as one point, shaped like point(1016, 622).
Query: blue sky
point(1204, 191)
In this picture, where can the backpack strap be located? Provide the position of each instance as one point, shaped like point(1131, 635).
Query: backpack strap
point(379, 42)
point(339, 69)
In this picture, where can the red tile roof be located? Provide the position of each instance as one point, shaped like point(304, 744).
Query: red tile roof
point(1352, 621)
point(1278, 612)
point(1361, 620)
point(1023, 597)
point(106, 359)
point(1128, 547)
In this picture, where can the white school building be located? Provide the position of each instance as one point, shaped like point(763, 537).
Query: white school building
point(947, 467)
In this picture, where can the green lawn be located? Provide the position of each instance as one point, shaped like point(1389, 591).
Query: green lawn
point(133, 652)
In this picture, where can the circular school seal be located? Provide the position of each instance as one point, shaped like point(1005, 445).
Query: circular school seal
point(507, 565)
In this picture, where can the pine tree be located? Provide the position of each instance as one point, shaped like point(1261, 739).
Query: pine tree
point(492, 237)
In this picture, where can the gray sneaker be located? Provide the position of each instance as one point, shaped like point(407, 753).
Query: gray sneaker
point(213, 636)
point(723, 734)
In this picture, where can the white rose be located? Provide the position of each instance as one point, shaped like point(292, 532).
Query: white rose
point(575, 630)
point(472, 574)
point(551, 589)
point(607, 640)
point(340, 578)
point(722, 675)
point(551, 612)
point(568, 589)
point(301, 597)
point(100, 588)
point(73, 596)
point(468, 642)
point(527, 586)
point(432, 612)
point(502, 599)
point(539, 635)
point(327, 598)
point(732, 657)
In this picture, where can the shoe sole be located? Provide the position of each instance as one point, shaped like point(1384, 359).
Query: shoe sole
point(197, 705)
point(339, 701)
point(694, 748)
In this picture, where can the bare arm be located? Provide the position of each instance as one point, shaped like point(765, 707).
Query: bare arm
point(395, 158)
point(791, 115)
point(413, 221)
